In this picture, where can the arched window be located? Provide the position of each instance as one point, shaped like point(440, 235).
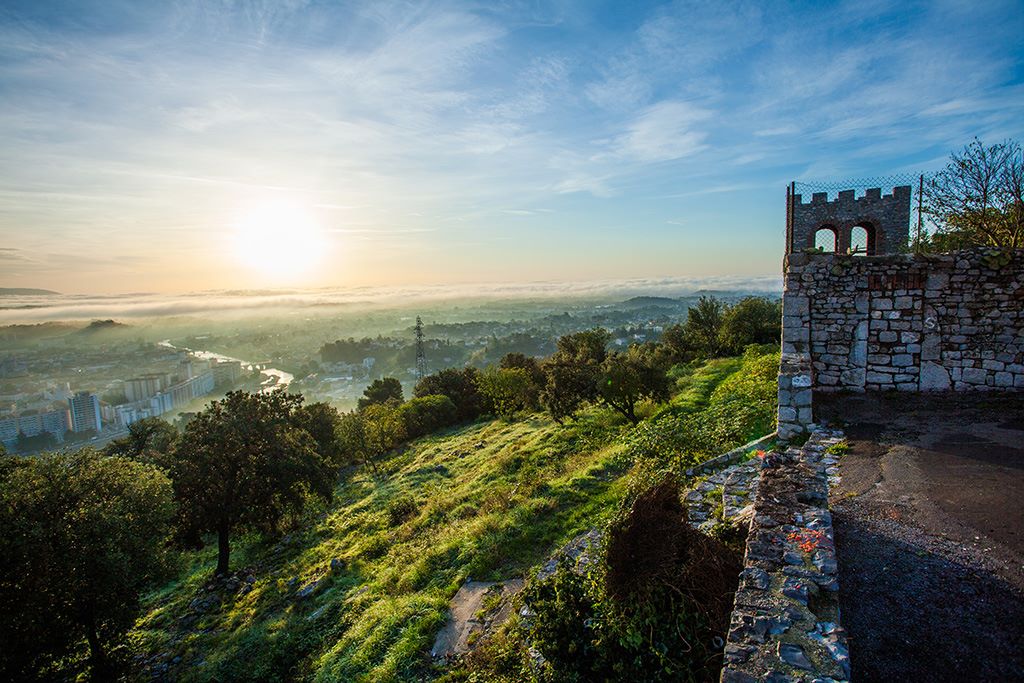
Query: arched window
point(862, 240)
point(825, 239)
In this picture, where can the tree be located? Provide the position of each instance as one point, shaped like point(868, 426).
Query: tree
point(427, 414)
point(676, 344)
point(754, 320)
point(703, 325)
point(149, 440)
point(381, 391)
point(459, 386)
point(978, 199)
point(572, 372)
point(630, 376)
point(533, 371)
point(243, 463)
point(81, 534)
point(508, 390)
point(321, 420)
point(384, 429)
point(33, 444)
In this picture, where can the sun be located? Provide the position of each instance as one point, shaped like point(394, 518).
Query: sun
point(279, 239)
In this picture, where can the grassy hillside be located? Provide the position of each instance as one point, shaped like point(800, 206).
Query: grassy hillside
point(359, 591)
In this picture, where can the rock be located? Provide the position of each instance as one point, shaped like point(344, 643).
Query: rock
point(934, 377)
point(307, 590)
point(794, 656)
point(796, 589)
point(753, 577)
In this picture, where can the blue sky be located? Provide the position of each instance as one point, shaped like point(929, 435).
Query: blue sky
point(141, 143)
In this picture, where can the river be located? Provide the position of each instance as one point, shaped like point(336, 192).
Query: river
point(275, 378)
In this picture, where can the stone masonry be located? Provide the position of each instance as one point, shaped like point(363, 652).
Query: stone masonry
point(784, 625)
point(886, 218)
point(950, 322)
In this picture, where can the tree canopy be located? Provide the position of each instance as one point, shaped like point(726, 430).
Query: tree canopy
point(244, 462)
point(978, 199)
point(81, 534)
point(149, 439)
point(381, 391)
point(630, 376)
point(458, 385)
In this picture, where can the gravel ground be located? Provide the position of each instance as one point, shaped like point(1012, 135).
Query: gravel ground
point(929, 522)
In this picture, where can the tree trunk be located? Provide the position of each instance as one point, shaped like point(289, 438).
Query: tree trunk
point(223, 549)
point(97, 657)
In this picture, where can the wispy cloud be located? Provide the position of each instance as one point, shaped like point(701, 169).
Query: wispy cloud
point(135, 128)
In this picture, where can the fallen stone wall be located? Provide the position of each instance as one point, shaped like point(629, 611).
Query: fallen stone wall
point(899, 323)
point(785, 620)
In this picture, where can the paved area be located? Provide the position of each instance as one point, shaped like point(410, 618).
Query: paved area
point(929, 521)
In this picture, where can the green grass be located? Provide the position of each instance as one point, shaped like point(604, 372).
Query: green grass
point(695, 385)
point(486, 501)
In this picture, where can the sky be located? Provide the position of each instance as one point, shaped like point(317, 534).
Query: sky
point(180, 146)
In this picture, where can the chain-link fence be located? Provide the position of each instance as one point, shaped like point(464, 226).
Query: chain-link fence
point(919, 223)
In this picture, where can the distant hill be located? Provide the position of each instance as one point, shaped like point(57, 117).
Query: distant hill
point(650, 301)
point(100, 326)
point(21, 334)
point(24, 291)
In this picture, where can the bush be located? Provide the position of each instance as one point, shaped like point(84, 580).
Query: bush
point(460, 387)
point(427, 414)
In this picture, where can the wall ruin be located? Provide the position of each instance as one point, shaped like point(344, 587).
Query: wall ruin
point(950, 322)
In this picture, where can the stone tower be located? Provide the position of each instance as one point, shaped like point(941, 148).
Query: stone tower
point(884, 218)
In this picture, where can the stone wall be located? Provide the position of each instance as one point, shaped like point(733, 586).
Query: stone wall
point(785, 621)
point(885, 217)
point(899, 323)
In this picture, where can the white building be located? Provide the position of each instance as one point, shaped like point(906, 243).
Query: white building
point(84, 408)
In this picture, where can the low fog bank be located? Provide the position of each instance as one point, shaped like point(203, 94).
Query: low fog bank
point(19, 309)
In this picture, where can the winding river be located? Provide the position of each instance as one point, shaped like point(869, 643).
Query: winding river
point(274, 378)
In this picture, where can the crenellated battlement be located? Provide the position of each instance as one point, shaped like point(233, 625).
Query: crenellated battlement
point(842, 201)
point(885, 219)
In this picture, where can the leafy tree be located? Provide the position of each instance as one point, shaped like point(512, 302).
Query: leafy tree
point(978, 199)
point(427, 414)
point(384, 428)
point(38, 442)
point(533, 370)
point(81, 534)
point(149, 440)
point(458, 385)
point(627, 377)
point(754, 320)
point(364, 436)
point(3, 451)
point(572, 373)
point(242, 464)
point(351, 433)
point(321, 420)
point(381, 391)
point(508, 390)
point(703, 326)
point(678, 347)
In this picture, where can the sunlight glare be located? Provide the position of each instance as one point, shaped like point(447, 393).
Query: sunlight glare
point(279, 239)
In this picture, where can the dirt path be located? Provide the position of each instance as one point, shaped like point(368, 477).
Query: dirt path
point(929, 522)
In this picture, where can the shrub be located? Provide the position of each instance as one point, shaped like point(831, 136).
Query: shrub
point(427, 414)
